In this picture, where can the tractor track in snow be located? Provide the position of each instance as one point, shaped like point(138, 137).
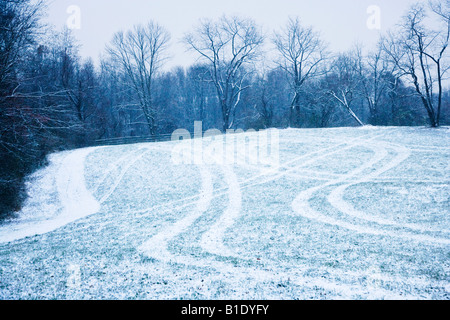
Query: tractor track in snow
point(76, 201)
point(270, 174)
point(234, 190)
point(302, 207)
point(212, 240)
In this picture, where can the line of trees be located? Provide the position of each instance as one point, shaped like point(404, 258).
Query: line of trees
point(51, 99)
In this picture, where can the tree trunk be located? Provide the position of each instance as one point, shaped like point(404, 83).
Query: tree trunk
point(294, 116)
point(354, 116)
point(225, 116)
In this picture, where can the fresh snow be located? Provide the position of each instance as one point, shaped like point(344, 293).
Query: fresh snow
point(76, 201)
point(349, 213)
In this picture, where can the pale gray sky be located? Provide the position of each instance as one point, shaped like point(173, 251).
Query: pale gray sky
point(342, 23)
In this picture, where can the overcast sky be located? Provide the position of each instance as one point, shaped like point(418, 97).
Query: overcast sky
point(342, 23)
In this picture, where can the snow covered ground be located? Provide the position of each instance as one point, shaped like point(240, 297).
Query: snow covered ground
point(349, 213)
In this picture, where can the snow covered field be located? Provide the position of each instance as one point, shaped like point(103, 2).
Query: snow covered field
point(350, 213)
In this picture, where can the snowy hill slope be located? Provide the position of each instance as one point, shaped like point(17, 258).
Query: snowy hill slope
point(355, 213)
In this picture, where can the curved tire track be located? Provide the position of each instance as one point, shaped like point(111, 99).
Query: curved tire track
point(301, 204)
point(157, 246)
point(76, 201)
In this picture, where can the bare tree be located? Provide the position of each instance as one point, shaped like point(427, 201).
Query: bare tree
point(421, 54)
point(228, 46)
point(266, 110)
point(373, 74)
point(302, 54)
point(345, 86)
point(141, 53)
point(19, 21)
